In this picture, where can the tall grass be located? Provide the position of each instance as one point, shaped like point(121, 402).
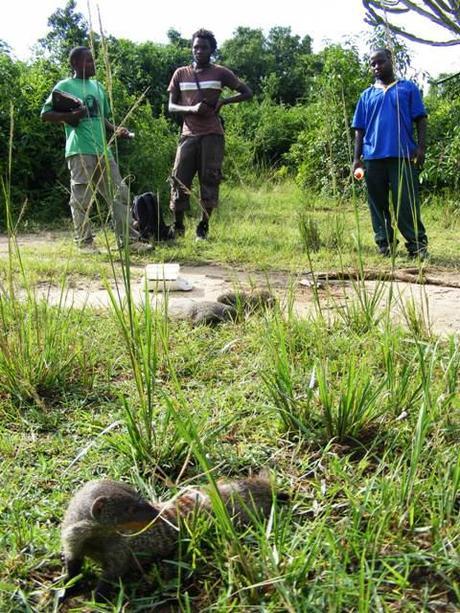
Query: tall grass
point(42, 352)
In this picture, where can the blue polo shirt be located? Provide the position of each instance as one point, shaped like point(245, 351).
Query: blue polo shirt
point(387, 116)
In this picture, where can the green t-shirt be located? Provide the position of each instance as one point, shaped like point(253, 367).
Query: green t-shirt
point(89, 137)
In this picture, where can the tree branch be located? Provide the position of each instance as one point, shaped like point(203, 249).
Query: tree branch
point(437, 11)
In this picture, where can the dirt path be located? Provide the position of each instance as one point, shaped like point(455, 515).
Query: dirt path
point(438, 304)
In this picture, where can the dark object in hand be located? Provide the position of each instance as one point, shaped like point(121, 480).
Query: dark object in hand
point(65, 103)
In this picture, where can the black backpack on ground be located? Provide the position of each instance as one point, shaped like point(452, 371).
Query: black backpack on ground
point(149, 218)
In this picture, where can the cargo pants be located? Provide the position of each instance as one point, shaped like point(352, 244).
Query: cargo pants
point(202, 155)
point(90, 175)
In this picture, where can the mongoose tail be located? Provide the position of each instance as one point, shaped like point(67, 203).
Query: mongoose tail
point(244, 499)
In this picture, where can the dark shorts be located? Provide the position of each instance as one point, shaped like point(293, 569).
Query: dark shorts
point(202, 155)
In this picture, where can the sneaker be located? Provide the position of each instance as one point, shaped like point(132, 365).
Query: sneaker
point(88, 247)
point(420, 254)
point(387, 250)
point(140, 247)
point(177, 230)
point(202, 231)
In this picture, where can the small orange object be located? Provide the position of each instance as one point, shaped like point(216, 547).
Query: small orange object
point(359, 173)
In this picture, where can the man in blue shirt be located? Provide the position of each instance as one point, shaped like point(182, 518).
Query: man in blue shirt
point(383, 123)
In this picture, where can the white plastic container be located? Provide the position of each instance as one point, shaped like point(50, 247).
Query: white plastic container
point(164, 278)
point(162, 272)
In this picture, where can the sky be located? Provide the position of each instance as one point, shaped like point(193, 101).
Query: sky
point(24, 22)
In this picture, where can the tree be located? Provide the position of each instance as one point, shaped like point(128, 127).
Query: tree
point(443, 13)
point(176, 38)
point(323, 150)
point(289, 52)
point(381, 37)
point(68, 29)
point(247, 54)
point(4, 47)
point(274, 66)
point(146, 66)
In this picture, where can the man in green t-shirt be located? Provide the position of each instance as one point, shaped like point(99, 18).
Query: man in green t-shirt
point(90, 161)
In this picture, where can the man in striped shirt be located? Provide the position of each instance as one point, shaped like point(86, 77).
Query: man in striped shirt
point(195, 93)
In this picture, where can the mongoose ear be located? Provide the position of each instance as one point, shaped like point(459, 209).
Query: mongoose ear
point(97, 506)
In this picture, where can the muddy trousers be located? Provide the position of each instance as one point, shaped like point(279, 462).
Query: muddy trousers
point(91, 175)
point(202, 155)
point(400, 177)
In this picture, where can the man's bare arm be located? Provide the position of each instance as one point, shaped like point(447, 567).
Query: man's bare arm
point(119, 131)
point(175, 107)
point(70, 117)
point(244, 93)
point(359, 137)
point(420, 123)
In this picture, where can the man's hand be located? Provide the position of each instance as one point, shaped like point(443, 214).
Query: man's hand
point(201, 108)
point(73, 117)
point(357, 164)
point(219, 105)
point(419, 157)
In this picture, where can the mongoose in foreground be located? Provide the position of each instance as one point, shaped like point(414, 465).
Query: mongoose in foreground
point(104, 518)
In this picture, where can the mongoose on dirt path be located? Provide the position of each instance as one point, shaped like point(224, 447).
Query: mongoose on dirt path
point(206, 313)
point(104, 518)
point(228, 307)
point(248, 301)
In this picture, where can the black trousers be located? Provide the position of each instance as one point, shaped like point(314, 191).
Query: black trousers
point(397, 176)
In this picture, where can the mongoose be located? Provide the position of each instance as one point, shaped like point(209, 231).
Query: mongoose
point(104, 521)
point(248, 302)
point(95, 519)
point(206, 313)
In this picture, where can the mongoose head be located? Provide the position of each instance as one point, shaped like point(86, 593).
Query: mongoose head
point(123, 512)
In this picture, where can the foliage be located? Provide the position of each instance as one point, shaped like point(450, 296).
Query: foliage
point(322, 153)
point(274, 65)
point(442, 164)
point(147, 159)
point(246, 53)
point(37, 152)
point(267, 129)
point(68, 29)
point(176, 38)
point(146, 68)
point(9, 91)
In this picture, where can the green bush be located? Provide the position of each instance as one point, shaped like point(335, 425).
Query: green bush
point(37, 159)
point(259, 133)
point(321, 156)
point(443, 147)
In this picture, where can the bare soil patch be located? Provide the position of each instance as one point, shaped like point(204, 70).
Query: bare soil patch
point(437, 299)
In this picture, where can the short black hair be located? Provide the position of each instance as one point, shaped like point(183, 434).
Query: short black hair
point(202, 33)
point(383, 50)
point(76, 53)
